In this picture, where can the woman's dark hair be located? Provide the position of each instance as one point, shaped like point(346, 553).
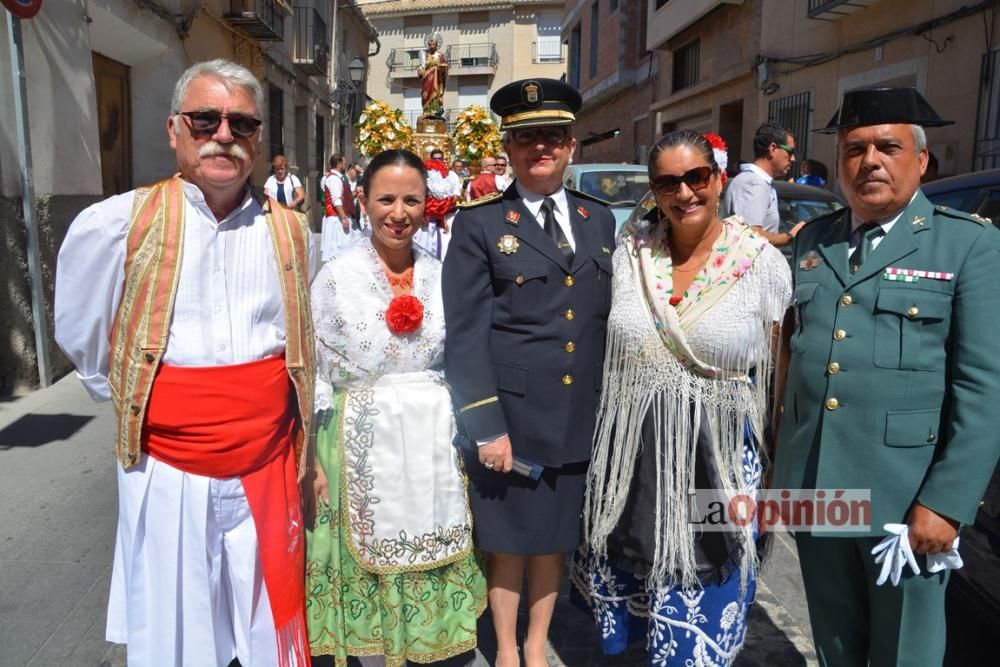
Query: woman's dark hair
point(681, 138)
point(394, 157)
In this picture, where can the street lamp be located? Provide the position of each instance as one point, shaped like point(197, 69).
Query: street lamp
point(356, 70)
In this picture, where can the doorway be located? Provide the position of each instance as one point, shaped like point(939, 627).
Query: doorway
point(114, 119)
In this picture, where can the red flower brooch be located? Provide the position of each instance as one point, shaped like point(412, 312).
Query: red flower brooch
point(405, 314)
point(720, 151)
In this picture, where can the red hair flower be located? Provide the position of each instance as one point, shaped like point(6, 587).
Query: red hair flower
point(405, 314)
point(720, 151)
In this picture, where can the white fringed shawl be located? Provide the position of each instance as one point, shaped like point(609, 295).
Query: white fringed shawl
point(682, 364)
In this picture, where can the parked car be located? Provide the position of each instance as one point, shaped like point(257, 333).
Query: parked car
point(795, 202)
point(620, 185)
point(978, 192)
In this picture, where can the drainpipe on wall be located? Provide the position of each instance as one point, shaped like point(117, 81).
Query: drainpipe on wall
point(38, 312)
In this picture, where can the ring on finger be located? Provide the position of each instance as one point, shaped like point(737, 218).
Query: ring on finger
point(488, 465)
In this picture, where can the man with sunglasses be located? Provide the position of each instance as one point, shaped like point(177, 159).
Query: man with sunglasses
point(751, 195)
point(186, 304)
point(502, 179)
point(486, 182)
point(527, 291)
point(892, 387)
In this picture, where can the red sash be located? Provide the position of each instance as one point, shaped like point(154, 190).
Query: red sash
point(241, 421)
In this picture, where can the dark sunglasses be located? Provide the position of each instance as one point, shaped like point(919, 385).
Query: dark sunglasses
point(208, 122)
point(790, 151)
point(695, 179)
point(526, 136)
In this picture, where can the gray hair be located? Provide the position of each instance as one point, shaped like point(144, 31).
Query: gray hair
point(919, 138)
point(226, 71)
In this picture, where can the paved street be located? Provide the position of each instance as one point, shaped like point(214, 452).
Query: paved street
point(57, 540)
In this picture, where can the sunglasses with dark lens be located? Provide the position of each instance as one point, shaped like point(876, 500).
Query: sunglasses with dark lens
point(526, 136)
point(695, 179)
point(208, 122)
point(787, 149)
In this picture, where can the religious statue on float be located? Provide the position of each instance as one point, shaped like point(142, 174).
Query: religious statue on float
point(434, 74)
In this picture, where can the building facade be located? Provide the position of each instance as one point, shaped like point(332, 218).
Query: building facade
point(608, 62)
point(100, 75)
point(487, 44)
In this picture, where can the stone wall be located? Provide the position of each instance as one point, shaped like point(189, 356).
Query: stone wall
point(18, 356)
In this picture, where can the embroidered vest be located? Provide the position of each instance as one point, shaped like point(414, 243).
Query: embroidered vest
point(346, 197)
point(152, 268)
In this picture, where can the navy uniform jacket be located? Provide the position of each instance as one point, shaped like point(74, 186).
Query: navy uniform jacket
point(524, 345)
point(894, 385)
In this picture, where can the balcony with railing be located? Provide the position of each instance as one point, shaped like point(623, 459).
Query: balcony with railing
point(312, 42)
point(404, 62)
point(472, 59)
point(833, 10)
point(263, 19)
point(547, 51)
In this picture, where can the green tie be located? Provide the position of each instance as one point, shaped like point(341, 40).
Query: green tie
point(867, 233)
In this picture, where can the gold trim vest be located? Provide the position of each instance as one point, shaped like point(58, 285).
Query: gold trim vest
point(152, 268)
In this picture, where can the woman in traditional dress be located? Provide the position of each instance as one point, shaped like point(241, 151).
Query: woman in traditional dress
point(390, 567)
point(284, 187)
point(695, 309)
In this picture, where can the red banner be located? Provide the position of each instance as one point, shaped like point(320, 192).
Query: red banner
point(23, 8)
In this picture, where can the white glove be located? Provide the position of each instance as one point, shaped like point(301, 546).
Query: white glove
point(947, 560)
point(894, 553)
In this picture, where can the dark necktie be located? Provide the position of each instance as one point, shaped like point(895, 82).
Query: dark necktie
point(281, 193)
point(553, 229)
point(867, 233)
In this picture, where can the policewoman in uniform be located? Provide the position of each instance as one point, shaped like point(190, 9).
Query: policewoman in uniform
point(527, 290)
point(893, 382)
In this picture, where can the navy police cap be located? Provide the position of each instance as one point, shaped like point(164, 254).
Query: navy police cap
point(535, 102)
point(883, 106)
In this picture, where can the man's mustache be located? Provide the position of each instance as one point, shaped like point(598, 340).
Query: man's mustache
point(213, 148)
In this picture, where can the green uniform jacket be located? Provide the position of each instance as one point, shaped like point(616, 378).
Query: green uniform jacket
point(894, 386)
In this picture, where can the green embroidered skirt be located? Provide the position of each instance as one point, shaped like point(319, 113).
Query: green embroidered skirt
point(417, 616)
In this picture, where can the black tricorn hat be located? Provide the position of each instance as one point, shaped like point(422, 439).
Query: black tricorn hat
point(883, 106)
point(536, 102)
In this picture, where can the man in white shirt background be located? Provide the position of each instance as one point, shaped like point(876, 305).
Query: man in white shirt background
point(751, 195)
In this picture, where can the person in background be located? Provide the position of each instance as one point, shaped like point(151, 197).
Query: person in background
point(892, 387)
point(486, 182)
point(186, 304)
point(931, 173)
point(751, 195)
point(500, 168)
point(338, 203)
point(284, 187)
point(527, 287)
point(813, 173)
point(354, 172)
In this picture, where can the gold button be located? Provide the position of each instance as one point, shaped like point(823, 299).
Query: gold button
point(569, 314)
point(931, 437)
point(570, 346)
point(832, 404)
point(913, 311)
point(833, 368)
point(567, 379)
point(839, 334)
point(150, 357)
point(568, 281)
point(519, 280)
point(288, 266)
point(846, 300)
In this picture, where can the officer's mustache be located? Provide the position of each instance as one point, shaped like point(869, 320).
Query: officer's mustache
point(213, 148)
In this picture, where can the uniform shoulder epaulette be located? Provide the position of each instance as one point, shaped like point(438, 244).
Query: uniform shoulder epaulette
point(584, 195)
point(485, 199)
point(962, 215)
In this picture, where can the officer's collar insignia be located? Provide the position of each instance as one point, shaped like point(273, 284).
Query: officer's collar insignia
point(583, 212)
point(811, 261)
point(508, 244)
point(531, 93)
point(918, 221)
point(513, 217)
point(605, 250)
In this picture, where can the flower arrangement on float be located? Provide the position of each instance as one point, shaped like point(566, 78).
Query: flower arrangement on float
point(381, 127)
point(475, 133)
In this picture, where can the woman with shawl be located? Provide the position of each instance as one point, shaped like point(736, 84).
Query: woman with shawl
point(696, 305)
point(390, 570)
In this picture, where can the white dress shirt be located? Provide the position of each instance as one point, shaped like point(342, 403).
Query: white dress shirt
point(533, 202)
point(228, 308)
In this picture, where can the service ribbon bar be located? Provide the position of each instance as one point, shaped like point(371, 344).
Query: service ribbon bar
point(918, 273)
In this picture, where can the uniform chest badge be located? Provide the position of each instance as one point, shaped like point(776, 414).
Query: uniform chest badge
point(508, 244)
point(583, 212)
point(513, 217)
point(811, 261)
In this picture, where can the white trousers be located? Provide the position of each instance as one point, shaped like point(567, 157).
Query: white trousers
point(187, 587)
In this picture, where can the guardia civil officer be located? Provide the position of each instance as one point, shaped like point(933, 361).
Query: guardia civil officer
point(893, 385)
point(527, 289)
